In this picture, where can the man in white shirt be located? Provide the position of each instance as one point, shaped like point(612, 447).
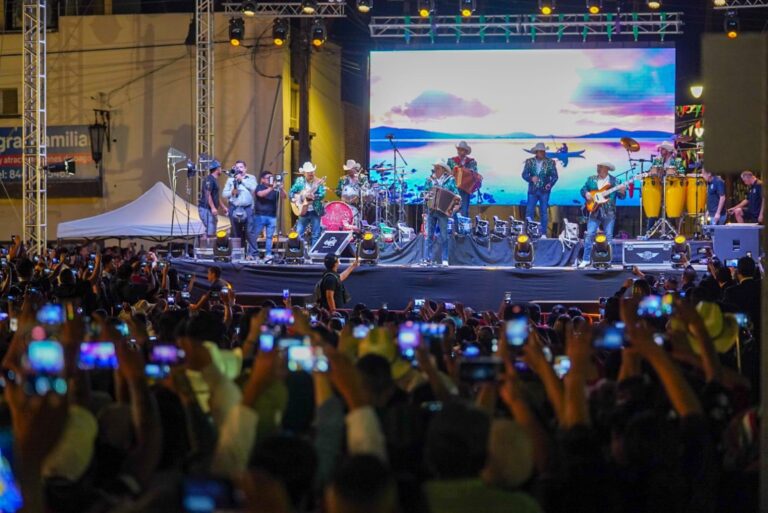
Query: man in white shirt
point(238, 192)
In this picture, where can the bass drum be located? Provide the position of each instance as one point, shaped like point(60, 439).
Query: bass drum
point(339, 217)
point(651, 192)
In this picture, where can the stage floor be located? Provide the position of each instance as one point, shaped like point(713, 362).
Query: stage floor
point(478, 287)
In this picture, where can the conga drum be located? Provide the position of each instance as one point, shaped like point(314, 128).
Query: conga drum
point(651, 191)
point(675, 196)
point(695, 194)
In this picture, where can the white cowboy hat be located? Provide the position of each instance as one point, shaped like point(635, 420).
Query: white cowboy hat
point(610, 166)
point(464, 146)
point(539, 147)
point(350, 165)
point(440, 163)
point(666, 146)
point(307, 167)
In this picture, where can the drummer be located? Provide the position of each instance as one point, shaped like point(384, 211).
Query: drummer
point(349, 184)
point(715, 198)
point(665, 161)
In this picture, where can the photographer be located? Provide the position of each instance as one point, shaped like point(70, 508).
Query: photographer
point(238, 192)
point(265, 210)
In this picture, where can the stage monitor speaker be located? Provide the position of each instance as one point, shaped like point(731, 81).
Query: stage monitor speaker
point(646, 253)
point(736, 240)
point(332, 242)
point(735, 100)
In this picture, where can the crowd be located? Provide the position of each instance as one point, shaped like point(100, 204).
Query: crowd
point(128, 386)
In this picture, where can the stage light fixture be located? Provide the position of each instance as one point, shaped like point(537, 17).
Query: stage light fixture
point(516, 227)
point(248, 8)
point(697, 90)
point(222, 249)
point(594, 6)
point(294, 248)
point(602, 253)
point(65, 166)
point(482, 227)
point(653, 4)
point(719, 3)
point(236, 31)
point(681, 252)
point(280, 31)
point(699, 131)
point(731, 25)
point(309, 6)
point(368, 250)
point(523, 252)
point(318, 33)
point(546, 7)
point(500, 227)
point(463, 225)
point(467, 7)
point(364, 6)
point(426, 8)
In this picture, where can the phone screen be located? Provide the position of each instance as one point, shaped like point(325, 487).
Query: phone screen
point(561, 366)
point(46, 357)
point(655, 306)
point(97, 355)
point(360, 331)
point(300, 358)
point(478, 370)
point(742, 319)
point(10, 498)
point(610, 338)
point(418, 304)
point(507, 297)
point(50, 314)
point(201, 495)
point(286, 293)
point(408, 339)
point(517, 331)
point(156, 370)
point(166, 354)
point(266, 342)
point(281, 317)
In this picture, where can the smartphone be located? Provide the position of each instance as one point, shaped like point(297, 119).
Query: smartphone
point(384, 306)
point(185, 294)
point(561, 366)
point(167, 354)
point(307, 358)
point(609, 338)
point(450, 306)
point(508, 297)
point(360, 331)
point(432, 331)
point(90, 266)
point(122, 329)
point(266, 342)
point(171, 300)
point(97, 356)
point(480, 369)
point(46, 357)
point(13, 324)
point(659, 339)
point(286, 293)
point(342, 320)
point(655, 307)
point(281, 317)
point(742, 319)
point(51, 314)
point(408, 339)
point(4, 261)
point(10, 498)
point(517, 331)
point(206, 495)
point(418, 304)
point(156, 370)
point(313, 319)
point(285, 343)
point(3, 316)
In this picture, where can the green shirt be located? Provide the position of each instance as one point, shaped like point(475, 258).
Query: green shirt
point(473, 495)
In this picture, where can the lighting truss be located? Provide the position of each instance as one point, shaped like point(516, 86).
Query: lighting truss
point(204, 90)
point(289, 10)
point(742, 4)
point(507, 27)
point(34, 125)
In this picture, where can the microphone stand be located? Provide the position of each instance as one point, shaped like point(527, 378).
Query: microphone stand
point(395, 153)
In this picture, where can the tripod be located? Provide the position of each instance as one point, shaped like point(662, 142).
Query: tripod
point(663, 227)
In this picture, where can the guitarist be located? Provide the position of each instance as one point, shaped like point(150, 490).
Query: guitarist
point(312, 191)
point(463, 160)
point(604, 214)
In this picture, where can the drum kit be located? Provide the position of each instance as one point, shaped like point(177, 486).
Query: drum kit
point(667, 193)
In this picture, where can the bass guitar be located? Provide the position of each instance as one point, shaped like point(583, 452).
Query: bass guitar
point(601, 196)
point(299, 201)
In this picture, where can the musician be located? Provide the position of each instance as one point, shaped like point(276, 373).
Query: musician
point(750, 209)
point(208, 203)
point(238, 191)
point(462, 159)
point(267, 194)
point(715, 197)
point(352, 178)
point(541, 174)
point(315, 210)
point(441, 177)
point(604, 214)
point(665, 160)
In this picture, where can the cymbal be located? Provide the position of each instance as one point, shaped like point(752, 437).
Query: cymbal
point(684, 138)
point(630, 144)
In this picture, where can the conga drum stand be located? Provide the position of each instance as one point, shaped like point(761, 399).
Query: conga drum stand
point(663, 228)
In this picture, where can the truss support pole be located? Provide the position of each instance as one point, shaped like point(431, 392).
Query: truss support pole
point(204, 91)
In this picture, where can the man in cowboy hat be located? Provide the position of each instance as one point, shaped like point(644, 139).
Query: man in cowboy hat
point(541, 174)
point(463, 160)
point(604, 214)
point(441, 177)
point(665, 160)
point(352, 179)
point(208, 204)
point(315, 209)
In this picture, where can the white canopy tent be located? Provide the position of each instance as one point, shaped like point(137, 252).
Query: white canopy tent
point(148, 216)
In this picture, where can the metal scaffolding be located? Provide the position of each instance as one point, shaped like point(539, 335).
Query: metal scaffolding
point(741, 4)
point(501, 28)
point(289, 10)
point(34, 193)
point(204, 91)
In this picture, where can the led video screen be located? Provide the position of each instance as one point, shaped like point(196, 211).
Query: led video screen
point(579, 102)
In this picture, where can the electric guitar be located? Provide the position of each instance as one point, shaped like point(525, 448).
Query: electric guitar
point(299, 201)
point(600, 196)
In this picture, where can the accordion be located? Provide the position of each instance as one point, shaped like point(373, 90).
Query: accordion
point(442, 200)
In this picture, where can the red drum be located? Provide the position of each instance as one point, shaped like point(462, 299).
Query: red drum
point(339, 216)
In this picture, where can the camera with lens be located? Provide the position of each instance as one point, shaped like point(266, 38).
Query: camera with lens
point(232, 171)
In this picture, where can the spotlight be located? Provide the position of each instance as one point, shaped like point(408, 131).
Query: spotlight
point(653, 4)
point(364, 6)
point(65, 166)
point(463, 225)
point(318, 33)
point(681, 252)
point(309, 6)
point(426, 8)
point(516, 227)
point(697, 90)
point(594, 6)
point(368, 250)
point(248, 8)
point(467, 7)
point(731, 25)
point(222, 250)
point(236, 31)
point(602, 253)
point(279, 31)
point(482, 227)
point(719, 3)
point(523, 252)
point(294, 248)
point(546, 7)
point(500, 227)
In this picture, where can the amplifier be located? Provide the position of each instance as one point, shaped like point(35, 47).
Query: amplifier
point(736, 240)
point(647, 253)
